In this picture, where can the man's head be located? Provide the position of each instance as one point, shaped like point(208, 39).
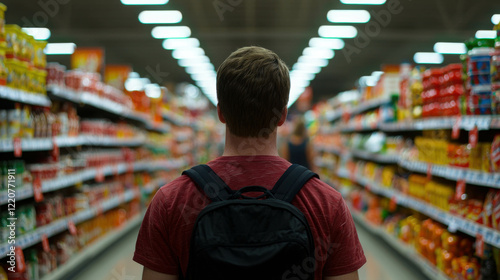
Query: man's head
point(253, 85)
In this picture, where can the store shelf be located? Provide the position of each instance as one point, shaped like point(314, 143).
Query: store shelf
point(334, 150)
point(362, 107)
point(93, 250)
point(319, 162)
point(453, 222)
point(381, 158)
point(111, 141)
point(106, 105)
point(369, 105)
point(175, 119)
point(22, 96)
point(454, 173)
point(89, 174)
point(32, 238)
point(466, 123)
point(45, 144)
point(426, 267)
point(357, 127)
point(154, 185)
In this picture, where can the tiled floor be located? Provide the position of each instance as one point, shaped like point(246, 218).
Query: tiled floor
point(383, 263)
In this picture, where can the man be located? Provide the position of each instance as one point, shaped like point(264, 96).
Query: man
point(253, 85)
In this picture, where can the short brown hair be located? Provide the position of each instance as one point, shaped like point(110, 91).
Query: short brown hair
point(253, 85)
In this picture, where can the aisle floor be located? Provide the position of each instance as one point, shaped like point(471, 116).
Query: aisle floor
point(382, 262)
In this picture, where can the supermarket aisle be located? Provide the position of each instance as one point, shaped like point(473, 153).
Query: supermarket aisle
point(115, 263)
point(383, 263)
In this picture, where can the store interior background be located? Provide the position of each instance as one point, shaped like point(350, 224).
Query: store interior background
point(89, 158)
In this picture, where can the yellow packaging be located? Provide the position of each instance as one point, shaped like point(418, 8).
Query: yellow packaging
point(31, 80)
point(30, 49)
point(11, 73)
point(3, 8)
point(40, 81)
point(13, 38)
point(40, 60)
point(3, 70)
point(485, 157)
point(24, 45)
point(476, 157)
point(22, 70)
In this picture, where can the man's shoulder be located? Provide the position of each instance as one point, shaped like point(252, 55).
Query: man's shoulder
point(321, 191)
point(181, 184)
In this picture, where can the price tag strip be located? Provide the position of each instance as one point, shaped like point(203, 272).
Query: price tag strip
point(32, 238)
point(466, 123)
point(454, 173)
point(469, 227)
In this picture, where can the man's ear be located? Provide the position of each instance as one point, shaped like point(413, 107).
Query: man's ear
point(219, 113)
point(283, 117)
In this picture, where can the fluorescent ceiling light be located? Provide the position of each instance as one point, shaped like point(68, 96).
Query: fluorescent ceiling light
point(348, 16)
point(307, 68)
point(298, 83)
point(39, 33)
point(450, 48)
point(194, 61)
point(163, 32)
point(203, 76)
point(486, 34)
point(152, 90)
point(178, 43)
point(321, 62)
point(298, 74)
point(428, 58)
point(188, 53)
point(495, 19)
point(200, 68)
point(60, 48)
point(318, 53)
point(144, 2)
point(337, 31)
point(363, 2)
point(329, 43)
point(158, 17)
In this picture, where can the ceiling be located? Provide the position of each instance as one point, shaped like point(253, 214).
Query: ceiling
point(284, 26)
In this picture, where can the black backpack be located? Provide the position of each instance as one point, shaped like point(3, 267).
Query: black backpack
point(257, 238)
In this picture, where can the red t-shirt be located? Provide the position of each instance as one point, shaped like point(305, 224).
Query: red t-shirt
point(163, 242)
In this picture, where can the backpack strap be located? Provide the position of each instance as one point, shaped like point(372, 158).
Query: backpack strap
point(209, 182)
point(290, 183)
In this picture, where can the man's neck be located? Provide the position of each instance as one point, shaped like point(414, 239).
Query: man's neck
point(240, 146)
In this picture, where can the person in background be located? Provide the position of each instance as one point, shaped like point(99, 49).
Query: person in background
point(253, 86)
point(298, 149)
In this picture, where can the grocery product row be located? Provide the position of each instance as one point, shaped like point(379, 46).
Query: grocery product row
point(402, 248)
point(416, 155)
point(434, 153)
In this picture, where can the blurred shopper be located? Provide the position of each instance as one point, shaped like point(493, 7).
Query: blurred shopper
point(298, 149)
point(253, 85)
